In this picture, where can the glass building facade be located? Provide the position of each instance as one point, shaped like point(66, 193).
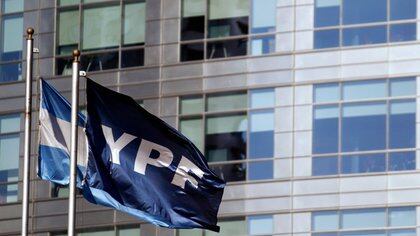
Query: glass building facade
point(307, 108)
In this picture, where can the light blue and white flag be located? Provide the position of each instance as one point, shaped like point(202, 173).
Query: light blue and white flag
point(54, 146)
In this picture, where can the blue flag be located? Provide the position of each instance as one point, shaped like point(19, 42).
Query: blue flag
point(141, 165)
point(54, 146)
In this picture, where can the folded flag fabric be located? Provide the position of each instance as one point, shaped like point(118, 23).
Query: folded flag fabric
point(55, 121)
point(140, 165)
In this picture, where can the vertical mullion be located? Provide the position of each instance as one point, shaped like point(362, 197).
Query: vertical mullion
point(122, 16)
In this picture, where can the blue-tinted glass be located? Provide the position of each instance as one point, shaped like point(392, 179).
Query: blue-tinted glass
point(262, 98)
point(402, 161)
point(363, 127)
point(324, 234)
point(329, 92)
point(364, 35)
point(263, 16)
point(261, 137)
point(403, 9)
point(324, 166)
point(403, 87)
point(263, 45)
point(327, 13)
point(325, 221)
point(403, 32)
point(260, 225)
point(10, 72)
point(364, 11)
point(12, 40)
point(402, 232)
point(402, 216)
point(364, 89)
point(363, 218)
point(363, 163)
point(260, 170)
point(326, 38)
point(325, 129)
point(402, 124)
point(364, 233)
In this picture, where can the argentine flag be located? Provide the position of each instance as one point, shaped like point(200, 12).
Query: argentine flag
point(54, 146)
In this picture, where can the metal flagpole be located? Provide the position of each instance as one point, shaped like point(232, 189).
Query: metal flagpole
point(73, 149)
point(27, 148)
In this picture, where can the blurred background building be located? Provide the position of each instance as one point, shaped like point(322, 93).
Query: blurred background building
point(307, 108)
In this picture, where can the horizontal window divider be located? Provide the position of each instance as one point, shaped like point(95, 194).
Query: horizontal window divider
point(367, 152)
point(386, 228)
point(362, 25)
point(383, 99)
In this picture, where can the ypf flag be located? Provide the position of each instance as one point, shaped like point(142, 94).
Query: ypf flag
point(143, 166)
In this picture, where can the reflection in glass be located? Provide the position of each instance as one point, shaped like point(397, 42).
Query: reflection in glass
point(227, 48)
point(325, 221)
point(363, 163)
point(364, 11)
point(260, 170)
point(8, 193)
point(10, 72)
point(402, 124)
point(68, 31)
point(263, 16)
point(325, 129)
point(328, 92)
point(193, 130)
point(191, 105)
point(403, 32)
point(230, 172)
point(261, 136)
point(364, 233)
point(324, 166)
point(263, 45)
point(226, 102)
point(326, 38)
point(64, 66)
point(99, 61)
point(363, 218)
point(399, 161)
point(9, 123)
point(364, 35)
point(11, 6)
point(403, 9)
point(262, 98)
point(403, 87)
point(192, 22)
point(260, 225)
point(364, 89)
point(402, 232)
point(327, 13)
point(402, 216)
point(12, 40)
point(134, 23)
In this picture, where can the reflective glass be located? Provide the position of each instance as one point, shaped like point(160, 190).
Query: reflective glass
point(262, 98)
point(193, 130)
point(10, 6)
point(190, 232)
point(363, 163)
point(403, 87)
point(364, 89)
point(225, 102)
point(403, 32)
point(263, 45)
point(64, 66)
point(9, 157)
point(192, 28)
point(326, 38)
point(12, 28)
point(327, 13)
point(226, 138)
point(193, 8)
point(227, 48)
point(99, 61)
point(327, 92)
point(325, 129)
point(260, 225)
point(364, 11)
point(230, 172)
point(324, 166)
point(130, 58)
point(129, 232)
point(261, 137)
point(228, 27)
point(9, 123)
point(364, 233)
point(97, 233)
point(230, 228)
point(222, 9)
point(8, 193)
point(402, 232)
point(402, 124)
point(399, 161)
point(134, 23)
point(101, 27)
point(363, 218)
point(403, 9)
point(324, 234)
point(263, 16)
point(402, 216)
point(363, 127)
point(68, 2)
point(191, 105)
point(192, 51)
point(260, 170)
point(10, 72)
point(325, 221)
point(364, 35)
point(68, 31)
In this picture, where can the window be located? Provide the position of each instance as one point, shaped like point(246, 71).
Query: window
point(116, 231)
point(218, 29)
point(355, 122)
point(238, 142)
point(11, 40)
point(348, 222)
point(344, 22)
point(9, 157)
point(111, 36)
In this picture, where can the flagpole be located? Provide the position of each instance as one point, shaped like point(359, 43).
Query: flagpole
point(73, 149)
point(27, 148)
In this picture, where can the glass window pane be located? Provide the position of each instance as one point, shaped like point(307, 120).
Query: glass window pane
point(134, 23)
point(325, 221)
point(326, 38)
point(325, 129)
point(190, 232)
point(324, 166)
point(324, 234)
point(260, 170)
point(402, 216)
point(402, 232)
point(364, 233)
point(403, 32)
point(230, 228)
point(12, 38)
point(399, 161)
point(193, 8)
point(10, 72)
point(64, 66)
point(68, 32)
point(192, 28)
point(364, 35)
point(230, 173)
point(101, 27)
point(227, 48)
point(129, 232)
point(226, 138)
point(192, 52)
point(261, 137)
point(363, 163)
point(403, 87)
point(364, 11)
point(402, 124)
point(193, 130)
point(263, 15)
point(327, 13)
point(130, 58)
point(363, 218)
point(403, 9)
point(98, 233)
point(99, 61)
point(191, 105)
point(363, 127)
point(9, 157)
point(225, 102)
point(10, 6)
point(327, 92)
point(260, 225)
point(222, 9)
point(9, 123)
point(263, 45)
point(68, 2)
point(364, 89)
point(8, 193)
point(262, 98)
